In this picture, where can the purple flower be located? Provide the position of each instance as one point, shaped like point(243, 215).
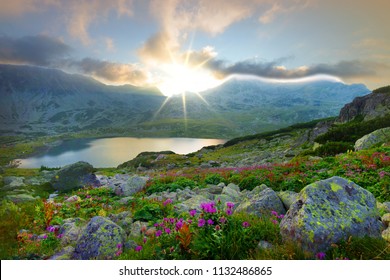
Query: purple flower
point(145, 240)
point(51, 229)
point(45, 236)
point(320, 255)
point(158, 233)
point(118, 253)
point(245, 224)
point(189, 221)
point(201, 222)
point(60, 236)
point(179, 224)
point(210, 222)
point(192, 212)
point(208, 207)
point(167, 230)
point(230, 204)
point(274, 213)
point(156, 225)
point(229, 212)
point(217, 227)
point(119, 245)
point(168, 201)
point(275, 222)
point(281, 216)
point(138, 248)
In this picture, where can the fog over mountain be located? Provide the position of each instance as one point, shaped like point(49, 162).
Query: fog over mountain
point(38, 101)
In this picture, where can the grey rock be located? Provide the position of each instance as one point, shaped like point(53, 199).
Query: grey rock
point(329, 211)
point(99, 240)
point(376, 137)
point(13, 182)
point(385, 206)
point(74, 176)
point(265, 245)
point(192, 203)
point(262, 204)
point(129, 186)
point(73, 198)
point(125, 200)
point(71, 230)
point(386, 219)
point(288, 198)
point(20, 198)
point(137, 228)
point(233, 191)
point(65, 254)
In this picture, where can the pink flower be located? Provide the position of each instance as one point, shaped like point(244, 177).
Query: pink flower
point(230, 204)
point(167, 230)
point(201, 222)
point(274, 213)
point(320, 255)
point(222, 220)
point(193, 212)
point(119, 245)
point(210, 222)
point(275, 222)
point(158, 233)
point(168, 201)
point(229, 212)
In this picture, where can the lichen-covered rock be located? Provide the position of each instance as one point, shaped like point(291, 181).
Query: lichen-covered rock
point(288, 198)
point(385, 206)
point(137, 229)
point(192, 203)
point(13, 182)
point(386, 219)
point(74, 176)
point(262, 203)
point(71, 230)
point(374, 138)
point(65, 254)
point(329, 211)
point(99, 240)
point(232, 190)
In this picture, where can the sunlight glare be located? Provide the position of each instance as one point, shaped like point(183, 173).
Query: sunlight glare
point(181, 78)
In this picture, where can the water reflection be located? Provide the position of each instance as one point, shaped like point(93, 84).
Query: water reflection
point(110, 152)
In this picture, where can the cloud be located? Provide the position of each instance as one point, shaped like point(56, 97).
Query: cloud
point(38, 50)
point(112, 72)
point(77, 15)
point(283, 6)
point(351, 69)
point(19, 7)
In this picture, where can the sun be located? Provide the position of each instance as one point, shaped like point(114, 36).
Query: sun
point(181, 78)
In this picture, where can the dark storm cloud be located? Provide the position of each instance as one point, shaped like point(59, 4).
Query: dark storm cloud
point(38, 50)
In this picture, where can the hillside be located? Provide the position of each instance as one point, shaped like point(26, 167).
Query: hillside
point(41, 101)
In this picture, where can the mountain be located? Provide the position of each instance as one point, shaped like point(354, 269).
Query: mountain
point(41, 101)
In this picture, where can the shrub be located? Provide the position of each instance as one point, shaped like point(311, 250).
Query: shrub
point(333, 148)
point(214, 179)
point(249, 183)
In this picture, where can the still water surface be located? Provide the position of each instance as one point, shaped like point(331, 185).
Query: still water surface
point(110, 152)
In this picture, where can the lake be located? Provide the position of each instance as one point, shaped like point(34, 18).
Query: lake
point(110, 152)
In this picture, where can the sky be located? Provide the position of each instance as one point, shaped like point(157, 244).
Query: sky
point(180, 45)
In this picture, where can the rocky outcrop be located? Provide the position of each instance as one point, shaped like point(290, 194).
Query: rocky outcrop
point(376, 104)
point(329, 211)
point(123, 184)
point(74, 176)
point(99, 240)
point(377, 137)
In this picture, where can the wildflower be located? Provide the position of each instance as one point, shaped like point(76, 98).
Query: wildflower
point(168, 201)
point(171, 249)
point(60, 236)
point(45, 236)
point(118, 253)
point(275, 222)
point(208, 207)
point(143, 228)
point(192, 212)
point(217, 227)
point(156, 225)
point(320, 255)
point(274, 213)
point(189, 221)
point(210, 222)
point(229, 212)
point(51, 229)
point(230, 204)
point(281, 216)
point(158, 233)
point(167, 230)
point(179, 224)
point(119, 245)
point(245, 224)
point(201, 222)
point(222, 220)
point(138, 248)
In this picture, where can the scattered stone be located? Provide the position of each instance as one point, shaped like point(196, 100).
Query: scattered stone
point(192, 203)
point(137, 229)
point(385, 206)
point(73, 198)
point(99, 240)
point(232, 191)
point(53, 195)
point(262, 203)
point(386, 234)
point(329, 211)
point(376, 137)
point(125, 200)
point(288, 198)
point(74, 176)
point(127, 186)
point(265, 245)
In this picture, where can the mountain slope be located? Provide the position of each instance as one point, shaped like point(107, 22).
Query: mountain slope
point(41, 101)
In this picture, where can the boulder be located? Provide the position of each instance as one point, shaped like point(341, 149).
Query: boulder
point(74, 176)
point(386, 219)
point(13, 182)
point(128, 185)
point(386, 234)
point(71, 230)
point(20, 198)
point(377, 137)
point(99, 240)
point(385, 206)
point(65, 254)
point(288, 198)
point(262, 203)
point(233, 191)
point(192, 203)
point(330, 211)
